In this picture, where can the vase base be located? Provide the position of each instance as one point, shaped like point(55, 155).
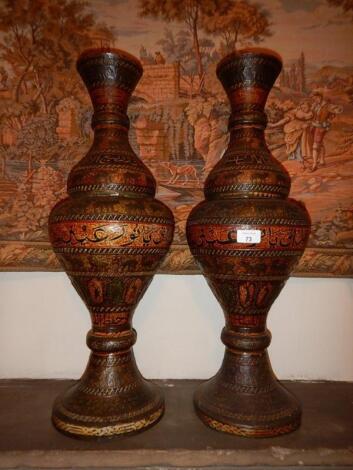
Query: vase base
point(267, 414)
point(85, 416)
point(247, 431)
point(86, 432)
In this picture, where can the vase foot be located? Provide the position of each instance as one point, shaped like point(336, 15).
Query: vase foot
point(264, 414)
point(79, 413)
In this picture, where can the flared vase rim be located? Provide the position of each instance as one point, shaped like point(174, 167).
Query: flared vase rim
point(250, 51)
point(100, 51)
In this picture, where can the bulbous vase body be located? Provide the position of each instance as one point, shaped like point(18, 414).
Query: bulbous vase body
point(110, 235)
point(247, 236)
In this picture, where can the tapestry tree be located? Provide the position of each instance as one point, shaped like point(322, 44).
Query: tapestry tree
point(189, 12)
point(238, 21)
point(40, 43)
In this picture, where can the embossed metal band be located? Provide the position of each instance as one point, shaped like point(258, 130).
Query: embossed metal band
point(108, 216)
point(246, 253)
point(246, 277)
point(249, 431)
point(248, 187)
point(118, 188)
point(108, 274)
point(107, 391)
point(112, 251)
point(93, 431)
point(249, 390)
point(110, 360)
point(247, 221)
point(122, 310)
point(246, 166)
point(120, 164)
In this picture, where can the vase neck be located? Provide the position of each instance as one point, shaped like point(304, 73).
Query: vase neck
point(108, 134)
point(247, 77)
point(110, 76)
point(249, 136)
point(109, 107)
point(247, 107)
point(107, 114)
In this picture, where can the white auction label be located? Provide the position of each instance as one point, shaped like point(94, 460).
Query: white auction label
point(248, 236)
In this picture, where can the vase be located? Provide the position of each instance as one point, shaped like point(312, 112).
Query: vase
point(247, 236)
point(110, 235)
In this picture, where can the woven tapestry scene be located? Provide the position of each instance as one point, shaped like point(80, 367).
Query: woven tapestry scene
point(178, 113)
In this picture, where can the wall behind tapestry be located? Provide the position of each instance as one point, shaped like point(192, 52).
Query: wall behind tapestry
point(179, 113)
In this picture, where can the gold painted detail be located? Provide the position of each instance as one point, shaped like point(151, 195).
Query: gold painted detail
point(106, 431)
point(100, 274)
point(95, 234)
point(224, 237)
point(110, 360)
point(249, 431)
point(253, 187)
point(246, 253)
point(119, 188)
point(112, 251)
point(247, 221)
point(104, 309)
point(111, 216)
point(107, 391)
point(249, 389)
point(247, 277)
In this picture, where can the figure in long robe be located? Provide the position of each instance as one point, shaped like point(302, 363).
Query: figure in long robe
point(297, 136)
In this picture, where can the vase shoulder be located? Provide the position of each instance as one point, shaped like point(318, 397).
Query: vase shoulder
point(111, 168)
point(277, 211)
point(247, 169)
point(110, 208)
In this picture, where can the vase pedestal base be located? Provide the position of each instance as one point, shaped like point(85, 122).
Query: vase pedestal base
point(245, 407)
point(95, 425)
point(108, 402)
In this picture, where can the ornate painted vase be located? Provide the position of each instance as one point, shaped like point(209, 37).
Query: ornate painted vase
point(110, 235)
point(247, 236)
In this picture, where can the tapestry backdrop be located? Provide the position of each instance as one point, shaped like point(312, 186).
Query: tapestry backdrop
point(179, 113)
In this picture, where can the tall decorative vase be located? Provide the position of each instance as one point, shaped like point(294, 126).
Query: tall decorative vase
point(110, 235)
point(247, 236)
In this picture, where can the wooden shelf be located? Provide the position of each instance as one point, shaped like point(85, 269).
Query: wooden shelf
point(180, 440)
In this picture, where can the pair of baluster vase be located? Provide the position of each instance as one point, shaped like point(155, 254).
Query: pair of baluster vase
point(110, 235)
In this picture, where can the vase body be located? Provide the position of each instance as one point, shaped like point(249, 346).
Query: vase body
point(110, 235)
point(247, 236)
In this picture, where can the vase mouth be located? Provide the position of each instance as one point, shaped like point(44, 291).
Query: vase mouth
point(112, 51)
point(110, 75)
point(250, 52)
point(246, 70)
